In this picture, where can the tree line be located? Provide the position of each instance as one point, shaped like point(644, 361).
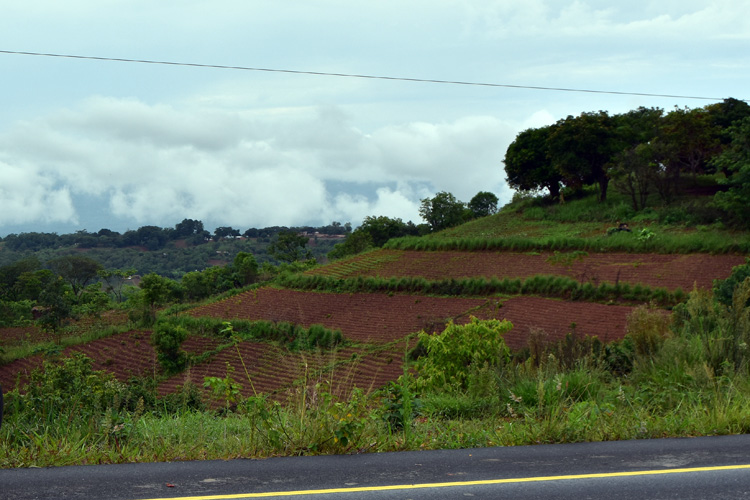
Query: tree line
point(154, 237)
point(646, 154)
point(439, 212)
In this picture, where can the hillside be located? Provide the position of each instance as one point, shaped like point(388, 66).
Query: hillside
point(522, 264)
point(582, 299)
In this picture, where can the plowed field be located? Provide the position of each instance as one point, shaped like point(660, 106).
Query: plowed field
point(125, 355)
point(656, 270)
point(382, 318)
point(274, 370)
point(361, 317)
point(378, 324)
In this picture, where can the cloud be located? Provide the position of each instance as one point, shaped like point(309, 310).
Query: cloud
point(156, 164)
point(29, 196)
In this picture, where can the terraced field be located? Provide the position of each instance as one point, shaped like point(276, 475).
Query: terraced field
point(655, 270)
point(377, 326)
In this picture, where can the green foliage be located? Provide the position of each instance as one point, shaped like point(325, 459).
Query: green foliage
point(723, 331)
point(527, 164)
point(735, 162)
point(460, 350)
point(289, 247)
point(545, 285)
point(245, 269)
point(66, 387)
point(167, 340)
point(56, 301)
point(292, 336)
point(648, 329)
point(442, 211)
point(399, 403)
point(483, 204)
point(15, 313)
point(77, 270)
point(724, 289)
point(226, 389)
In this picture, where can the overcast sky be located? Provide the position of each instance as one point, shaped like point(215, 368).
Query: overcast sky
point(87, 144)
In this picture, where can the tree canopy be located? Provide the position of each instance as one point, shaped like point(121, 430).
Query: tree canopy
point(643, 151)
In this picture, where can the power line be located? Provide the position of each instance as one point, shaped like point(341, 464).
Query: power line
point(349, 75)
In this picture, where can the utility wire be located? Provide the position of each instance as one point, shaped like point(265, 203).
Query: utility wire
point(348, 75)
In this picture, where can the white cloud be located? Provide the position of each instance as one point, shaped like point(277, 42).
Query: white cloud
point(157, 164)
point(29, 196)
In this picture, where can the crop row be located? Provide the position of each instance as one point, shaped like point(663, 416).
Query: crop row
point(653, 270)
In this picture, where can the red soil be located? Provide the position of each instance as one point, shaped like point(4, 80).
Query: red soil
point(126, 354)
point(668, 271)
point(361, 317)
point(274, 370)
point(380, 318)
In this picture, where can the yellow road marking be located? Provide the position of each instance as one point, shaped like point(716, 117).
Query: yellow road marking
point(457, 483)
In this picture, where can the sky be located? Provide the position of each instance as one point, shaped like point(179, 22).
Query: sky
point(90, 144)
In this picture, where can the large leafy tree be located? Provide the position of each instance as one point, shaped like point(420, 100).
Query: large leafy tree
point(581, 148)
point(636, 169)
point(77, 270)
point(244, 269)
point(483, 204)
point(382, 228)
point(289, 247)
point(691, 138)
point(736, 161)
point(527, 163)
point(375, 231)
point(115, 279)
point(442, 211)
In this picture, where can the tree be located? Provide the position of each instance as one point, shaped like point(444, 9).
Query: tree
point(382, 228)
point(691, 138)
point(580, 148)
point(442, 211)
point(527, 163)
point(187, 228)
point(10, 274)
point(726, 113)
point(483, 204)
point(289, 247)
point(355, 243)
point(77, 270)
point(115, 279)
point(57, 305)
point(245, 269)
point(633, 174)
point(225, 232)
point(736, 161)
point(154, 291)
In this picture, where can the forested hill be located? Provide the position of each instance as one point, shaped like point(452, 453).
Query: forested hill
point(170, 252)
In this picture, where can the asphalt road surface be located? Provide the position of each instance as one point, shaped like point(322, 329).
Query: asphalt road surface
point(695, 468)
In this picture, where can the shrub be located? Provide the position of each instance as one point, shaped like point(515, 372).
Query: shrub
point(724, 289)
point(648, 328)
point(460, 350)
point(167, 340)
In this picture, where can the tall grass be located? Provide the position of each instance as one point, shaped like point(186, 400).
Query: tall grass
point(544, 285)
point(663, 243)
point(685, 379)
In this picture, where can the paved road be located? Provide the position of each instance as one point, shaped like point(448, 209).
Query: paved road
point(698, 468)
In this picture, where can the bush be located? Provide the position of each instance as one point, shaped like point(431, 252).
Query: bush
point(460, 351)
point(724, 289)
point(648, 328)
point(168, 340)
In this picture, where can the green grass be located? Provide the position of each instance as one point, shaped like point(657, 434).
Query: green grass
point(689, 226)
point(542, 285)
point(575, 390)
point(66, 339)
